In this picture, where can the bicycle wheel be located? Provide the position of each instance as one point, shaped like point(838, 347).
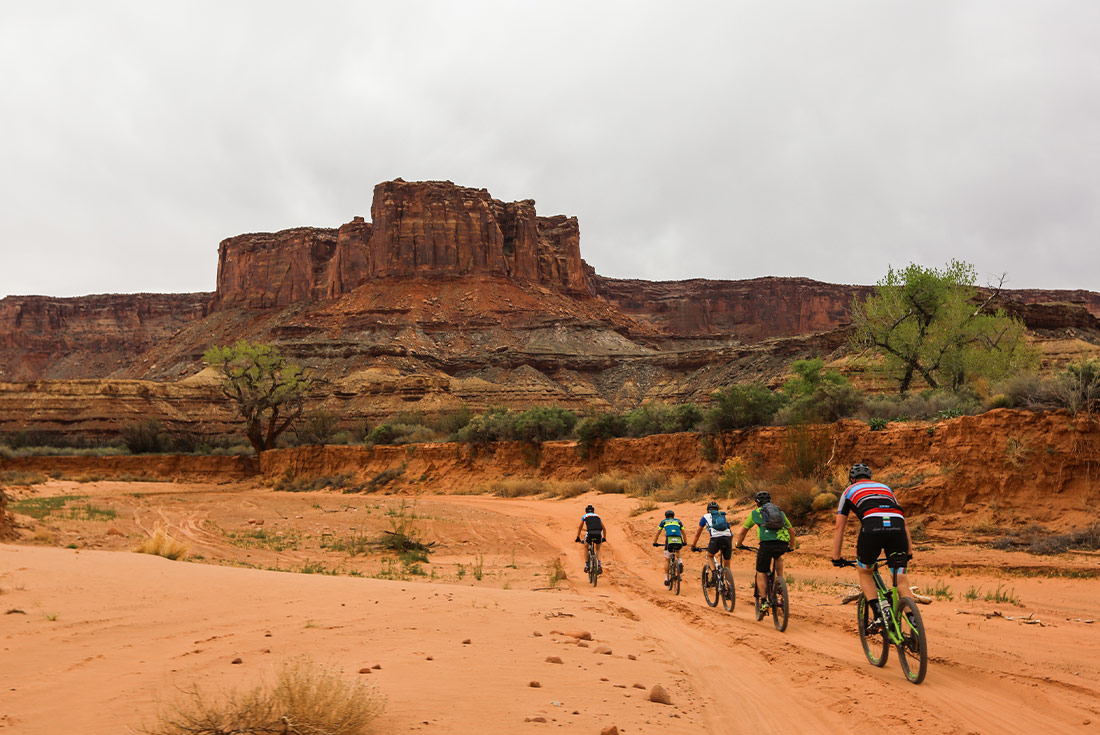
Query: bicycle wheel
point(875, 645)
point(913, 649)
point(729, 595)
point(780, 604)
point(593, 569)
point(758, 604)
point(675, 577)
point(710, 592)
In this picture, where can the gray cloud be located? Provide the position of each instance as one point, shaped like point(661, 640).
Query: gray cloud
point(719, 140)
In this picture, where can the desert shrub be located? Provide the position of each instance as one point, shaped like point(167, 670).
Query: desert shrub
point(795, 497)
point(648, 481)
point(453, 421)
point(517, 487)
point(144, 437)
point(805, 451)
point(817, 395)
point(161, 544)
point(316, 428)
point(824, 500)
point(593, 431)
point(878, 424)
point(1037, 540)
point(615, 484)
point(555, 572)
point(1077, 387)
point(570, 489)
point(705, 485)
point(383, 478)
point(543, 423)
point(302, 699)
point(735, 475)
point(645, 505)
point(17, 477)
point(741, 406)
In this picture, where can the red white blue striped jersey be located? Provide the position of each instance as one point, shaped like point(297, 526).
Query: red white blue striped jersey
point(869, 500)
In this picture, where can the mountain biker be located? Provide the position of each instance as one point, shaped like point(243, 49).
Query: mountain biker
point(595, 532)
point(721, 537)
point(773, 543)
point(674, 538)
point(882, 529)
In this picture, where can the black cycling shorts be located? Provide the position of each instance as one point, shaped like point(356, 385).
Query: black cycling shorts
point(770, 550)
point(875, 539)
point(721, 543)
point(594, 538)
point(673, 546)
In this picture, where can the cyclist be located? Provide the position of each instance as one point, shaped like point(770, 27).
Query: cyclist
point(595, 532)
point(721, 537)
point(674, 539)
point(882, 529)
point(774, 543)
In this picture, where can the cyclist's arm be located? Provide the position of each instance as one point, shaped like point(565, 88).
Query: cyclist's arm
point(580, 528)
point(698, 533)
point(790, 531)
point(741, 536)
point(838, 534)
point(658, 536)
point(909, 538)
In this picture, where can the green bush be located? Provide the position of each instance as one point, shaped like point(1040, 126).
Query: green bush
point(658, 418)
point(741, 406)
point(543, 423)
point(494, 425)
point(316, 429)
point(1078, 386)
point(594, 430)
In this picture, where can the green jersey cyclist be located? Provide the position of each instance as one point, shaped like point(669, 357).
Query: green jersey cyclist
point(674, 539)
point(774, 542)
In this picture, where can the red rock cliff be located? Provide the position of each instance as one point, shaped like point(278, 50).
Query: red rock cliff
point(419, 229)
point(87, 336)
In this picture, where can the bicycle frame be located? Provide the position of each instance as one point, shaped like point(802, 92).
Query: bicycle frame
point(888, 601)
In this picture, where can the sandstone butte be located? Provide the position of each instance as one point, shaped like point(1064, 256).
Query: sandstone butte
point(446, 297)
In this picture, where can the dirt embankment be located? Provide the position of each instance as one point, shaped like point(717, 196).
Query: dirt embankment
point(153, 466)
point(1047, 463)
point(7, 523)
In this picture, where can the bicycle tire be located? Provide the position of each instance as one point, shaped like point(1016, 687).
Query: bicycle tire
point(913, 648)
point(593, 569)
point(780, 604)
point(729, 594)
point(757, 604)
point(871, 642)
point(710, 592)
point(676, 580)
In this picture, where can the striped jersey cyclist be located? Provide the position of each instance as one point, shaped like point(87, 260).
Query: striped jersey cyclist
point(882, 531)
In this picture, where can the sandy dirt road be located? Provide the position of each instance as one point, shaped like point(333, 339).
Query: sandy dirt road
point(107, 638)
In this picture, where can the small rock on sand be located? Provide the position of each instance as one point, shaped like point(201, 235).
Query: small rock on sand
point(537, 634)
point(364, 670)
point(534, 719)
point(582, 644)
point(376, 666)
point(553, 659)
point(534, 685)
point(237, 661)
point(605, 650)
point(610, 730)
point(582, 635)
point(639, 686)
point(466, 642)
point(632, 657)
point(659, 695)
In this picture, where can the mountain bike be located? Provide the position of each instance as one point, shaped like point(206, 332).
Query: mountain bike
point(593, 563)
point(902, 627)
point(673, 574)
point(775, 599)
point(718, 583)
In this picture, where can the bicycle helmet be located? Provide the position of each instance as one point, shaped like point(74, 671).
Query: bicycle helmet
point(858, 471)
point(670, 514)
point(590, 509)
point(712, 505)
point(763, 497)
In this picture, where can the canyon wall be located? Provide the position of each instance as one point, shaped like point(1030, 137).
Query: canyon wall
point(87, 336)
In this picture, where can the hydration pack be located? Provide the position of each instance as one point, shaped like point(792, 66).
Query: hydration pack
point(772, 516)
point(718, 521)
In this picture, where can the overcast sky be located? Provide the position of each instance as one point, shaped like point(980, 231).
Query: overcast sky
point(691, 139)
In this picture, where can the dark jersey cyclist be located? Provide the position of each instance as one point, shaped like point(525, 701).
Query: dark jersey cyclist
point(673, 529)
point(882, 531)
point(594, 532)
point(773, 543)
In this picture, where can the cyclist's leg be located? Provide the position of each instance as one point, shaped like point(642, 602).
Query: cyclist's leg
point(868, 547)
point(763, 566)
point(712, 552)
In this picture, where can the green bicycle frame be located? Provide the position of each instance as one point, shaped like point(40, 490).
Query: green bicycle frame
point(889, 597)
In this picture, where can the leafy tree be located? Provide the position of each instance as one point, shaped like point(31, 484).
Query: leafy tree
point(931, 323)
point(267, 389)
point(818, 395)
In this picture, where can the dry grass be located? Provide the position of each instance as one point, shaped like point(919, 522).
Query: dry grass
point(161, 544)
point(644, 505)
point(302, 699)
point(555, 572)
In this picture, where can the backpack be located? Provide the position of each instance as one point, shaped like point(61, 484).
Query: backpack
point(718, 521)
point(772, 516)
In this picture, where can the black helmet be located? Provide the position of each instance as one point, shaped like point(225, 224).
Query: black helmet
point(670, 514)
point(763, 497)
point(858, 471)
point(589, 509)
point(712, 505)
